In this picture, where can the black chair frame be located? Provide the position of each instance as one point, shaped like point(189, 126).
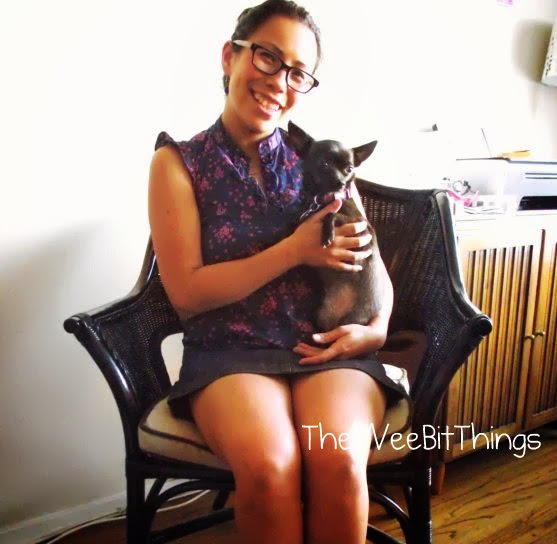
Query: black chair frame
point(417, 242)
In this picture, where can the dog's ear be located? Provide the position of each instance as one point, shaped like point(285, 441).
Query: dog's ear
point(299, 139)
point(362, 152)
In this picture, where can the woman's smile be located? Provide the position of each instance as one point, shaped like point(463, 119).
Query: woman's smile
point(268, 104)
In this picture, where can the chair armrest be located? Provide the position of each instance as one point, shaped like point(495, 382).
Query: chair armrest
point(124, 339)
point(84, 327)
point(440, 307)
point(417, 242)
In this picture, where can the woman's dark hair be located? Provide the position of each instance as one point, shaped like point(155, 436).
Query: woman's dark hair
point(252, 18)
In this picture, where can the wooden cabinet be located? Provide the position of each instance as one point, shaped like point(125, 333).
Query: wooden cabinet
point(542, 380)
point(508, 385)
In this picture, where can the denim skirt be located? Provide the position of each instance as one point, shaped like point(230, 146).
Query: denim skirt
point(202, 367)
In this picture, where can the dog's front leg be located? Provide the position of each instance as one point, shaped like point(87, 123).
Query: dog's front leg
point(328, 230)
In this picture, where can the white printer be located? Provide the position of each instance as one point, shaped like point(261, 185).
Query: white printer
point(533, 184)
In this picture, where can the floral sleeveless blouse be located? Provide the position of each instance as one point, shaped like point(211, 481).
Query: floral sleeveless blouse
point(237, 220)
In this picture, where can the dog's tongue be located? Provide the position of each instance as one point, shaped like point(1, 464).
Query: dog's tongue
point(329, 197)
point(340, 194)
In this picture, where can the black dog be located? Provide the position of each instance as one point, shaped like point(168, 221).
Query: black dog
point(328, 170)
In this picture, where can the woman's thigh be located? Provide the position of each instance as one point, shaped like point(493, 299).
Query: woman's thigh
point(246, 416)
point(334, 410)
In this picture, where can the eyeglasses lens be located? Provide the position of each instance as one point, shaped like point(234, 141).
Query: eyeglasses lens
point(270, 64)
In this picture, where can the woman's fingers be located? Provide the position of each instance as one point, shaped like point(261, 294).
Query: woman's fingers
point(306, 349)
point(350, 257)
point(352, 235)
point(318, 355)
point(344, 267)
point(351, 229)
point(332, 335)
point(339, 255)
point(350, 242)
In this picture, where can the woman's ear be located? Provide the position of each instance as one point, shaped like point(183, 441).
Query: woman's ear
point(226, 57)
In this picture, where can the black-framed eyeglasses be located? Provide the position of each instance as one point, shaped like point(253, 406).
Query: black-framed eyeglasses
point(270, 63)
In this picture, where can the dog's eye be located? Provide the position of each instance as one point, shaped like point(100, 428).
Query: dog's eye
point(349, 169)
point(324, 164)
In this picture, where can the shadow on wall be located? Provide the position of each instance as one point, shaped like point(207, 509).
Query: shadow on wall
point(530, 47)
point(61, 435)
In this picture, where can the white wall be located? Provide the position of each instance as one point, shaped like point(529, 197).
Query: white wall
point(86, 87)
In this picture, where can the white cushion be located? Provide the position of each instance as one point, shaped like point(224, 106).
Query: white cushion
point(160, 433)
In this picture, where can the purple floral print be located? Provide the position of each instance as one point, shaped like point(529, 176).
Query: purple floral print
point(238, 219)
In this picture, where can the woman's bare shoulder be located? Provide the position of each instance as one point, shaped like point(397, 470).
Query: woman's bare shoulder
point(167, 163)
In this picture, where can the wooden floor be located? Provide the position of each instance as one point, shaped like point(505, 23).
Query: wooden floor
point(489, 497)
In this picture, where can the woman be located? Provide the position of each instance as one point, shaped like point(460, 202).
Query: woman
point(257, 378)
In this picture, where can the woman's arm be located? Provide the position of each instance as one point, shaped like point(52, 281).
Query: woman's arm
point(193, 287)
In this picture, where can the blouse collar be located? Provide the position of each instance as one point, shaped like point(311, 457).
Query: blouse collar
point(267, 148)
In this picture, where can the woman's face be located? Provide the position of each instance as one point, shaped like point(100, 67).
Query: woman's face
point(257, 102)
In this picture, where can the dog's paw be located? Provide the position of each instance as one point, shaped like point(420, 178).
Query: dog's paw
point(326, 241)
point(327, 237)
point(328, 230)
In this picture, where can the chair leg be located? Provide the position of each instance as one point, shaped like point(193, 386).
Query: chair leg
point(437, 479)
point(136, 530)
point(420, 508)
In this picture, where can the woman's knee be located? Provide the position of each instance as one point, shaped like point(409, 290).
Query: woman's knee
point(338, 463)
point(269, 473)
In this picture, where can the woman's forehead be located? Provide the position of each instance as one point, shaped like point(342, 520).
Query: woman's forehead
point(290, 38)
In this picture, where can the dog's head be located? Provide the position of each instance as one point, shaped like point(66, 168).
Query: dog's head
point(328, 166)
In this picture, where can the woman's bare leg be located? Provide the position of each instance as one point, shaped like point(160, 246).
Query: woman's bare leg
point(336, 401)
point(247, 421)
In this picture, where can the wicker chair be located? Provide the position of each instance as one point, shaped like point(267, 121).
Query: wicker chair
point(415, 233)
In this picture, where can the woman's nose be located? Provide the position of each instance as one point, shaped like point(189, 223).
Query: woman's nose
point(278, 80)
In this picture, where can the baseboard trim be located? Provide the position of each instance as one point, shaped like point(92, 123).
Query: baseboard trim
point(41, 527)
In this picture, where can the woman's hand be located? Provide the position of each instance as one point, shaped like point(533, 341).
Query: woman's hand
point(306, 242)
point(346, 341)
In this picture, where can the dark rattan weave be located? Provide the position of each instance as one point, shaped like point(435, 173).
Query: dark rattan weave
point(416, 238)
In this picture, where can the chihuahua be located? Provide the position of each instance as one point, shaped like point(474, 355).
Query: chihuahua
point(328, 173)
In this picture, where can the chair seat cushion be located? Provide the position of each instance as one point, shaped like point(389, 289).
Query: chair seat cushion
point(162, 434)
